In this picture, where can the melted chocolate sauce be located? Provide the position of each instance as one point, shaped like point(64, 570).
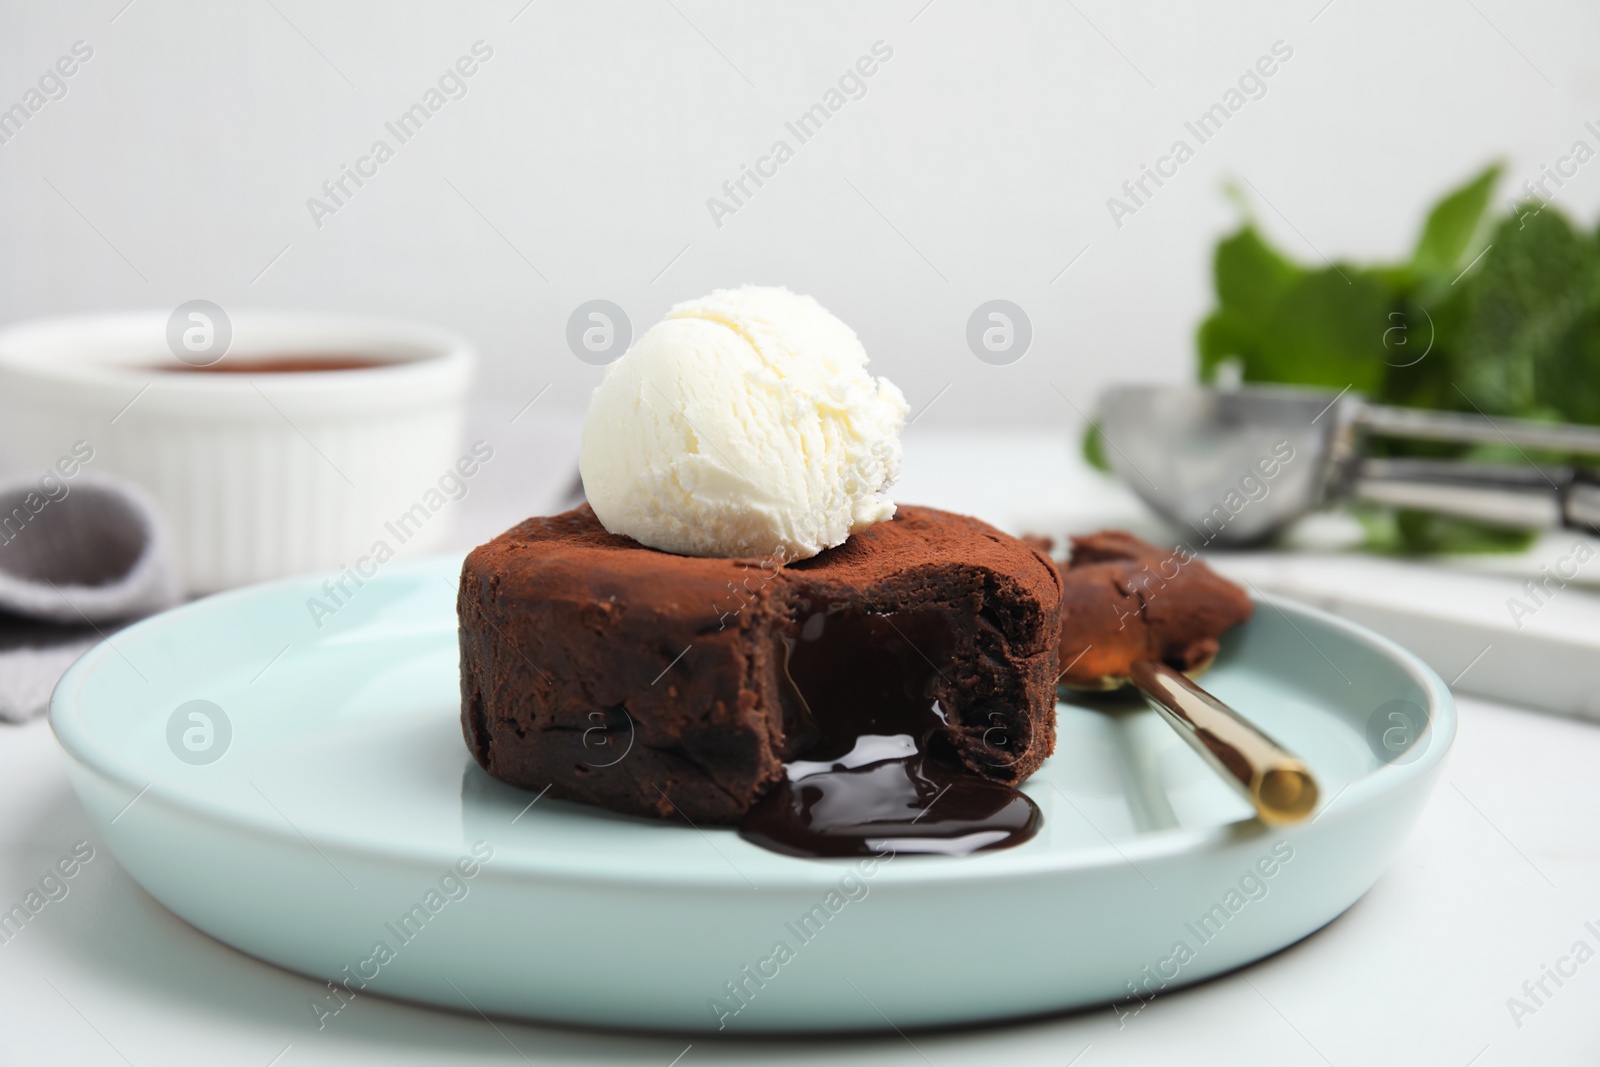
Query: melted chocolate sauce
point(869, 773)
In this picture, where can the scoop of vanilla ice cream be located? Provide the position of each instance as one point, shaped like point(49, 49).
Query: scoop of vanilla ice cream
point(743, 424)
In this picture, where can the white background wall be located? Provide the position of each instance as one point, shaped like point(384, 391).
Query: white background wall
point(180, 162)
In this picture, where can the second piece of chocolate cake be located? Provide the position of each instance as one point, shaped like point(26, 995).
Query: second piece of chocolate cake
point(1125, 600)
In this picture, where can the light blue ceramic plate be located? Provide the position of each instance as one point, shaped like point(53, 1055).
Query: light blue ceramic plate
point(322, 813)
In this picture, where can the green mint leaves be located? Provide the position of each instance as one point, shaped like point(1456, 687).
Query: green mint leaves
point(1498, 313)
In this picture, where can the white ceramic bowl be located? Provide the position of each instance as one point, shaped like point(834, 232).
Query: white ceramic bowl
point(259, 475)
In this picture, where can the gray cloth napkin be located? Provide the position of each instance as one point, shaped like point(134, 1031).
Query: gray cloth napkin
point(79, 558)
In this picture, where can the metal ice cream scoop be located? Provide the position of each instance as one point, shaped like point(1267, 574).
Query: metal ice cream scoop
point(1236, 465)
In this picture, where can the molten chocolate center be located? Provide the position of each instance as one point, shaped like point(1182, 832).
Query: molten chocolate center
point(867, 774)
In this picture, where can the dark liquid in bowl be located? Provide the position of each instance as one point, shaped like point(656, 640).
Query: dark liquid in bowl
point(288, 364)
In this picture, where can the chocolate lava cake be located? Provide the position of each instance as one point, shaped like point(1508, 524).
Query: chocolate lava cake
point(679, 686)
point(1124, 600)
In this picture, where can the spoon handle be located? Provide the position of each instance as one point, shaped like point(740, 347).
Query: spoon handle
point(1276, 783)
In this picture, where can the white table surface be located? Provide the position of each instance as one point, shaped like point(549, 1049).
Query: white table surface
point(1498, 881)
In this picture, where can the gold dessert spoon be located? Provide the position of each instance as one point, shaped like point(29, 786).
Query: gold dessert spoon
point(1275, 782)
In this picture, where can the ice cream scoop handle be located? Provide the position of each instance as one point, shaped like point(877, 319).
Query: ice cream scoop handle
point(1503, 494)
point(1276, 783)
point(1523, 497)
point(1466, 428)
